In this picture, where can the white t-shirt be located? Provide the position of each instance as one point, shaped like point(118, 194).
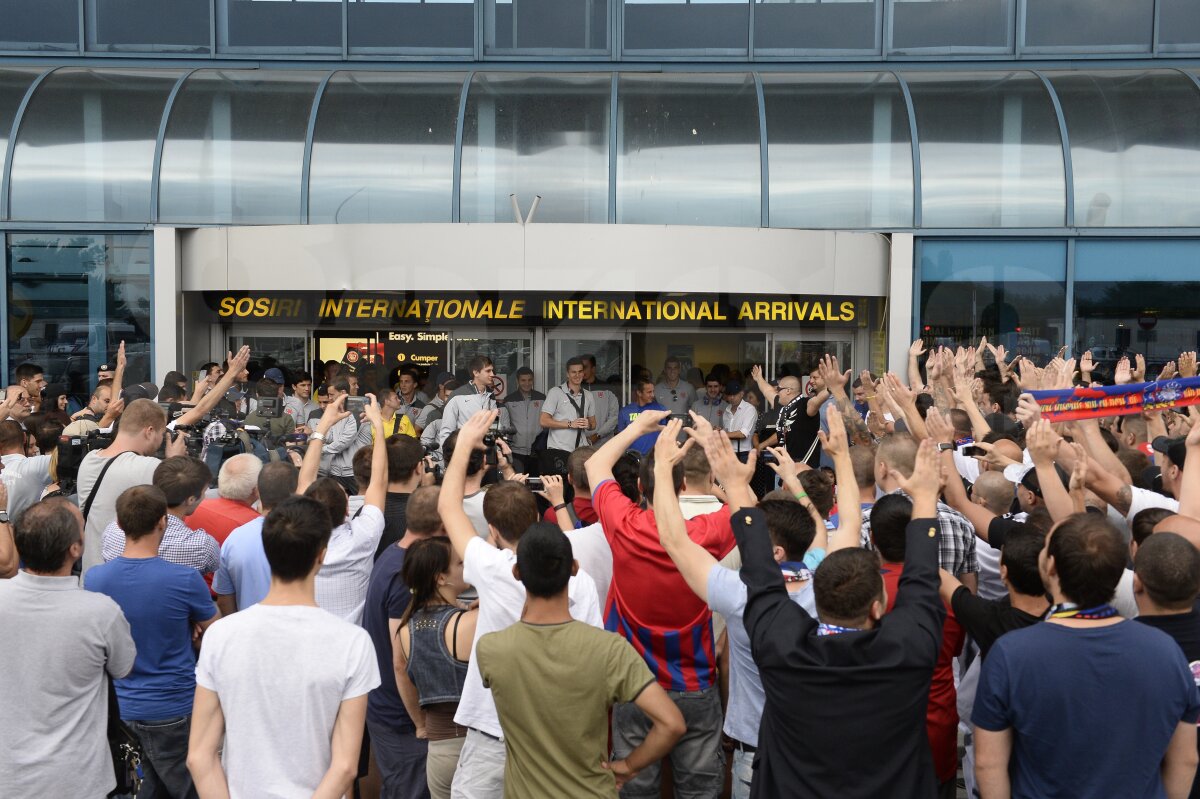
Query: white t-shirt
point(342, 580)
point(501, 600)
point(473, 507)
point(128, 471)
point(281, 673)
point(561, 404)
point(590, 547)
point(1142, 499)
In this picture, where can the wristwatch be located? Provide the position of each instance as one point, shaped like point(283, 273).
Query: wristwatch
point(3, 517)
point(317, 436)
point(945, 447)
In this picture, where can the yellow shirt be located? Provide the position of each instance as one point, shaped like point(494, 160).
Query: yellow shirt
point(390, 428)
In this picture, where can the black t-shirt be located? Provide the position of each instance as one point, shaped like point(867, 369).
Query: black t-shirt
point(797, 430)
point(1185, 629)
point(985, 620)
point(395, 520)
point(999, 529)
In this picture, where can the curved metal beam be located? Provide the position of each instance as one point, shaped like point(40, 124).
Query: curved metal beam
point(6, 175)
point(764, 167)
point(306, 164)
point(456, 189)
point(160, 139)
point(612, 149)
point(1068, 166)
point(915, 141)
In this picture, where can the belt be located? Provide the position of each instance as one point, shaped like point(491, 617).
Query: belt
point(485, 734)
point(743, 747)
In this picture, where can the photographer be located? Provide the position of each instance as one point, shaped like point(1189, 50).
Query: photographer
point(339, 440)
point(274, 423)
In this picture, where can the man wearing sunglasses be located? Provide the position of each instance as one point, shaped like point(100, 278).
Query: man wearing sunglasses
point(674, 394)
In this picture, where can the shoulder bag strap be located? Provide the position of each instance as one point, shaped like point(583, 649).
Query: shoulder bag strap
point(87, 506)
point(578, 406)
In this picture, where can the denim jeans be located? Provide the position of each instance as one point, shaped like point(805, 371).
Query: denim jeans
point(743, 774)
point(697, 762)
point(400, 757)
point(164, 767)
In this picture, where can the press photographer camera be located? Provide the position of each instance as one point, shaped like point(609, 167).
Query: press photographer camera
point(71, 451)
point(268, 415)
point(497, 432)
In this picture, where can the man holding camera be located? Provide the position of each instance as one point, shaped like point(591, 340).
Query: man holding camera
point(337, 451)
point(568, 414)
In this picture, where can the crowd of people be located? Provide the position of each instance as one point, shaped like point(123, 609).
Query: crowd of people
point(254, 584)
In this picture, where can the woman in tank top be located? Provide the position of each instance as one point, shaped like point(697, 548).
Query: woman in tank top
point(431, 659)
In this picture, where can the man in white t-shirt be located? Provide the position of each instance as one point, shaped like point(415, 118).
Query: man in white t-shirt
point(488, 565)
point(569, 412)
point(283, 683)
point(342, 582)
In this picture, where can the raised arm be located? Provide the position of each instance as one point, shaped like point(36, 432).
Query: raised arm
point(450, 501)
point(837, 380)
point(965, 395)
point(693, 561)
point(915, 351)
point(237, 363)
point(1189, 488)
point(849, 519)
point(118, 379)
point(907, 400)
point(600, 465)
point(334, 413)
point(941, 432)
point(377, 489)
point(768, 391)
point(1043, 443)
point(919, 582)
point(788, 471)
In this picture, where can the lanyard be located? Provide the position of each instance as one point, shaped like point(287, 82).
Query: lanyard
point(833, 629)
point(794, 572)
point(1069, 610)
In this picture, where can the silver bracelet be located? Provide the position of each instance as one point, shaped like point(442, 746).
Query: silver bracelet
point(317, 436)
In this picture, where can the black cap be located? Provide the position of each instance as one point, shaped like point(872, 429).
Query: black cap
point(733, 387)
point(139, 391)
point(442, 379)
point(1173, 448)
point(105, 367)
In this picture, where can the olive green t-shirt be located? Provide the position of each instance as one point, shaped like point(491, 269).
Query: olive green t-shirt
point(553, 685)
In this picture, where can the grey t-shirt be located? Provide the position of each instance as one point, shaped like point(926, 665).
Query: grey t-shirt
point(128, 471)
point(58, 642)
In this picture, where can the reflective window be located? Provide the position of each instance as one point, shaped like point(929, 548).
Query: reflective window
point(789, 27)
point(14, 83)
point(508, 351)
point(72, 299)
point(1135, 147)
point(1178, 24)
point(1089, 24)
point(85, 151)
point(524, 25)
point(687, 150)
point(39, 25)
point(696, 26)
point(1013, 292)
point(991, 153)
point(180, 25)
point(385, 25)
point(839, 151)
point(533, 135)
point(1136, 297)
point(950, 25)
point(234, 147)
point(266, 25)
point(383, 148)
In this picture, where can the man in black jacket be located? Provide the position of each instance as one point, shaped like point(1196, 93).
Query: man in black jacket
point(846, 693)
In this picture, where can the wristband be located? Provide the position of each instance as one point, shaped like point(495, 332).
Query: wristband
point(802, 495)
point(560, 506)
point(317, 436)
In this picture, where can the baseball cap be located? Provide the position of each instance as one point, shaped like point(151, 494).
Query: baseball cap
point(733, 387)
point(443, 378)
point(139, 391)
point(274, 375)
point(1173, 448)
point(234, 395)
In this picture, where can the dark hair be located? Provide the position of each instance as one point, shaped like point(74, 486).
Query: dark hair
point(1168, 566)
point(577, 469)
point(46, 434)
point(625, 472)
point(11, 434)
point(140, 509)
point(1136, 463)
point(576, 361)
point(961, 420)
point(171, 392)
point(524, 370)
point(478, 364)
point(360, 464)
point(924, 402)
point(421, 513)
point(332, 496)
point(404, 455)
point(1144, 521)
point(44, 533)
point(424, 562)
point(340, 383)
point(277, 482)
point(1022, 547)
point(293, 534)
point(587, 358)
point(27, 371)
point(266, 388)
point(206, 368)
point(789, 526)
point(638, 383)
point(511, 508)
point(862, 459)
point(180, 478)
point(474, 463)
point(646, 476)
point(846, 583)
point(889, 521)
point(301, 377)
point(1089, 555)
point(819, 488)
point(544, 560)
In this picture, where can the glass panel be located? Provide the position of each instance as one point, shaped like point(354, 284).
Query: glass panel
point(1136, 297)
point(1178, 22)
point(1089, 24)
point(839, 151)
point(234, 147)
point(1135, 147)
point(991, 154)
point(307, 25)
point(609, 354)
point(14, 84)
point(73, 298)
point(39, 25)
point(1012, 292)
point(698, 26)
point(952, 24)
point(688, 150)
point(800, 357)
point(383, 148)
point(541, 24)
point(533, 135)
point(785, 25)
point(444, 25)
point(509, 352)
point(289, 353)
point(148, 25)
point(85, 152)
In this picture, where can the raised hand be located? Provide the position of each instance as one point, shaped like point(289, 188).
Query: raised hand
point(121, 359)
point(372, 411)
point(1086, 366)
point(1028, 410)
point(835, 442)
point(470, 435)
point(1123, 375)
point(1042, 442)
point(1187, 364)
point(334, 413)
point(925, 482)
point(729, 471)
point(831, 372)
point(916, 349)
point(939, 427)
point(1079, 474)
point(667, 450)
point(1168, 371)
point(1139, 369)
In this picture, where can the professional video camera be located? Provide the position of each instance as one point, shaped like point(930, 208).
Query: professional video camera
point(194, 434)
point(497, 432)
point(71, 452)
point(269, 407)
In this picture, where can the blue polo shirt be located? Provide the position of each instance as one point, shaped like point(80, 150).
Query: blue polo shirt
point(625, 418)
